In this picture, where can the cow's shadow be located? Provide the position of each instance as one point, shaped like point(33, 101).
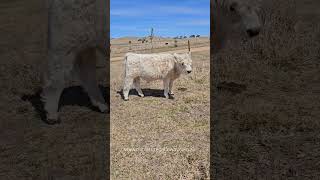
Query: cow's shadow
point(74, 95)
point(147, 93)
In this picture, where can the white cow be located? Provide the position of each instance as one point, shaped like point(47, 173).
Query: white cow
point(149, 67)
point(227, 15)
point(76, 29)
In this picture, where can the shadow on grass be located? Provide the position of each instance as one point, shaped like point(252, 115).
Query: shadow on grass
point(74, 95)
point(147, 93)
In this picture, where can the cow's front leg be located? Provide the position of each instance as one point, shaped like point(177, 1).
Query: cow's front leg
point(50, 97)
point(170, 87)
point(166, 83)
point(54, 84)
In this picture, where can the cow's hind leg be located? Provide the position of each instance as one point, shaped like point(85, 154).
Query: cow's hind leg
point(128, 81)
point(136, 83)
point(85, 67)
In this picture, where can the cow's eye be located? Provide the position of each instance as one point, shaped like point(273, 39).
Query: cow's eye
point(182, 64)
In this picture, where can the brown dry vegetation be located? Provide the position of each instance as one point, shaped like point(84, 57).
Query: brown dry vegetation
point(270, 128)
point(156, 122)
point(29, 148)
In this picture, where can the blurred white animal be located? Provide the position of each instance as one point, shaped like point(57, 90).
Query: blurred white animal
point(76, 29)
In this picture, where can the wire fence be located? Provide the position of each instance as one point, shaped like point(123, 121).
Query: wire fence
point(120, 48)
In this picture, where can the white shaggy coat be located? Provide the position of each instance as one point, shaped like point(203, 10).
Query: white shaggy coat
point(150, 67)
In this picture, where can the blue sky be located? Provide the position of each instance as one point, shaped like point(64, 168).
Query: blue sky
point(169, 18)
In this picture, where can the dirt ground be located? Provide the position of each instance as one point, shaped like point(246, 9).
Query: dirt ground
point(266, 98)
point(158, 138)
point(29, 148)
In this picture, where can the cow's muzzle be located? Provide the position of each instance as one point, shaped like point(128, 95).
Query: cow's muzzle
point(188, 72)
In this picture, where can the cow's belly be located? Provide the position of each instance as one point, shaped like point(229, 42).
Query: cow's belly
point(151, 78)
point(153, 73)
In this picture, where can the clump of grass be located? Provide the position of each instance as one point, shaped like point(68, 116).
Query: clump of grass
point(188, 99)
point(199, 80)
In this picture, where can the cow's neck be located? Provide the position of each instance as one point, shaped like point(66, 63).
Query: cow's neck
point(177, 71)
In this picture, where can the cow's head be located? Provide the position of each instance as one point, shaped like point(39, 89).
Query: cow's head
point(246, 13)
point(183, 62)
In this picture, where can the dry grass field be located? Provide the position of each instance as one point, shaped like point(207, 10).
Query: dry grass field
point(158, 138)
point(266, 124)
point(29, 148)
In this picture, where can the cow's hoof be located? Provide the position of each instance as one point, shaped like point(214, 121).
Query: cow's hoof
point(141, 95)
point(171, 93)
point(52, 118)
point(106, 110)
point(53, 121)
point(103, 108)
point(126, 99)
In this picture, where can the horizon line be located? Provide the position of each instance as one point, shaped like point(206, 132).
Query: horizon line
point(133, 36)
